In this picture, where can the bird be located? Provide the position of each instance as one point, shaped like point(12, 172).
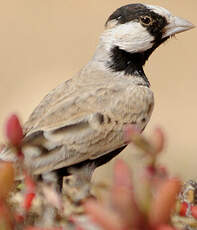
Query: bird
point(79, 124)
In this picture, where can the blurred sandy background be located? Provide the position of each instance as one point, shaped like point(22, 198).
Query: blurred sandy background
point(44, 42)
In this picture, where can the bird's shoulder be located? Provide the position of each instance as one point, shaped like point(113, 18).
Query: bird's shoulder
point(70, 100)
point(81, 97)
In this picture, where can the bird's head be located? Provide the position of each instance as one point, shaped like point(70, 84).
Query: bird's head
point(134, 31)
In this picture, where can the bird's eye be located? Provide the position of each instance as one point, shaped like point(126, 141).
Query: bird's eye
point(146, 20)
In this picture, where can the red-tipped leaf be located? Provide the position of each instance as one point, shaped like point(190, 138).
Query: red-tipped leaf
point(14, 130)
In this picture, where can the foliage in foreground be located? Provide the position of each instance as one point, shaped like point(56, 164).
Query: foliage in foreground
point(34, 205)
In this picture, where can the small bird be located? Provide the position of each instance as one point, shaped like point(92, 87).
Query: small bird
point(79, 125)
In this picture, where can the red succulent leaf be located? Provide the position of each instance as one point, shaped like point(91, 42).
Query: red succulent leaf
point(14, 131)
point(158, 140)
point(30, 191)
point(123, 200)
point(38, 228)
point(6, 218)
point(123, 203)
point(150, 171)
point(165, 227)
point(183, 209)
point(154, 175)
point(122, 175)
point(132, 134)
point(153, 146)
point(28, 201)
point(79, 228)
point(6, 178)
point(102, 216)
point(18, 218)
point(29, 183)
point(164, 201)
point(194, 211)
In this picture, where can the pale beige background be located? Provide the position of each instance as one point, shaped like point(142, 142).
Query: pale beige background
point(44, 42)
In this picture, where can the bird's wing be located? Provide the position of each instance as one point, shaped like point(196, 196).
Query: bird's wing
point(73, 128)
point(73, 124)
point(59, 93)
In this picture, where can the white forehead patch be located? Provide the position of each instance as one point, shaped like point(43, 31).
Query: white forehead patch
point(161, 11)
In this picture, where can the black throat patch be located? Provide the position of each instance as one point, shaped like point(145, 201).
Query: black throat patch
point(131, 63)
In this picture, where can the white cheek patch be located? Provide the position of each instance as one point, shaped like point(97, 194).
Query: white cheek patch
point(131, 37)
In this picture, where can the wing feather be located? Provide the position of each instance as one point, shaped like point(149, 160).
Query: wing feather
point(82, 120)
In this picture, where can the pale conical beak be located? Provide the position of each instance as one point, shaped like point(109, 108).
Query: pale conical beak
point(177, 25)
